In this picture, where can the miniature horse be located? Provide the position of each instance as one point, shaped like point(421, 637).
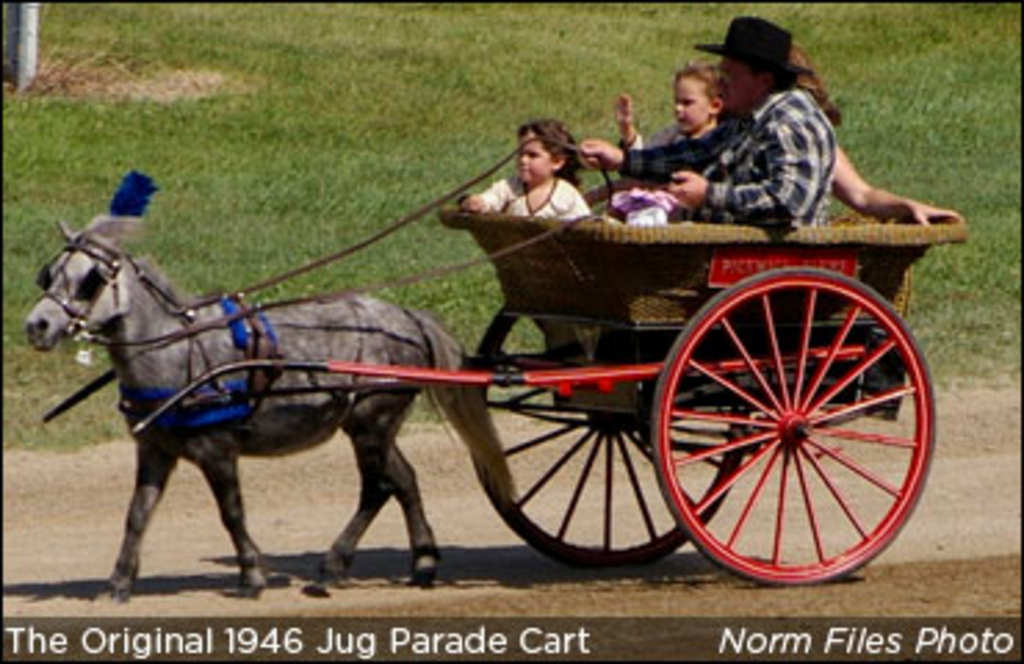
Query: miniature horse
point(94, 285)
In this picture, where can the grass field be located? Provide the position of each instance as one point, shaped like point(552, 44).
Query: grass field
point(281, 133)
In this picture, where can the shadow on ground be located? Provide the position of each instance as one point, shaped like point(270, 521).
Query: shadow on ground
point(460, 567)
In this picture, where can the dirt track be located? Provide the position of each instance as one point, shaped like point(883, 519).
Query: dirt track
point(960, 554)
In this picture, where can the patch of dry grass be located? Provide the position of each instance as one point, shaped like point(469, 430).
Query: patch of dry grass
point(100, 77)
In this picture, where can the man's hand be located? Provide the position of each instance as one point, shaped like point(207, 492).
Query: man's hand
point(690, 189)
point(601, 154)
point(625, 119)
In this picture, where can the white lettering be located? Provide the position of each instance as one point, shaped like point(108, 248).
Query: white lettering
point(477, 642)
point(36, 642)
point(943, 641)
point(362, 645)
point(534, 640)
point(758, 643)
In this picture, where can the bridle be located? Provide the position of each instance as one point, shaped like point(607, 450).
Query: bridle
point(108, 262)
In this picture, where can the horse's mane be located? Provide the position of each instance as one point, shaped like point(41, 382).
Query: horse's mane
point(117, 231)
point(114, 230)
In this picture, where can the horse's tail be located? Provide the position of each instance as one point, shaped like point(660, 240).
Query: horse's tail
point(466, 409)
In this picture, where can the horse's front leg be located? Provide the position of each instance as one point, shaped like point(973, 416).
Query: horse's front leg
point(219, 464)
point(153, 469)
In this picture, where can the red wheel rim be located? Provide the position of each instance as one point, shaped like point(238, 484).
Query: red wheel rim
point(805, 369)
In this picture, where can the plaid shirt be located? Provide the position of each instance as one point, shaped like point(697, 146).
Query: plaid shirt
point(775, 165)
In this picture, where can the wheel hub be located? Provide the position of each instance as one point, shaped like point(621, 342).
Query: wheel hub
point(794, 429)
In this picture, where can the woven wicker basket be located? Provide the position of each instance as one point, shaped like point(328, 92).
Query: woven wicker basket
point(659, 275)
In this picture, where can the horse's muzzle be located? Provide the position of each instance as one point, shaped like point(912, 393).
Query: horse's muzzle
point(42, 331)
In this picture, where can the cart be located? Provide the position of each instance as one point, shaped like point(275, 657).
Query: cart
point(753, 390)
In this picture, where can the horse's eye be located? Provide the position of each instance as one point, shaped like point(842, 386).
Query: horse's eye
point(43, 279)
point(90, 285)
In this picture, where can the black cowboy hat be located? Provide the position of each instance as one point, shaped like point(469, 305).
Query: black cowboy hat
point(757, 41)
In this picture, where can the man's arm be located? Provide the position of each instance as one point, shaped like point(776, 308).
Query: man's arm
point(693, 154)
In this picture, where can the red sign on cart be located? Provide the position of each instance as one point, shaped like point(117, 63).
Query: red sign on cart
point(732, 264)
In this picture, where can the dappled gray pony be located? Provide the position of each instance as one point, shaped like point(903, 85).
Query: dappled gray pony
point(94, 285)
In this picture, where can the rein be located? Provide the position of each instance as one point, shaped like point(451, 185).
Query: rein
point(239, 295)
point(188, 314)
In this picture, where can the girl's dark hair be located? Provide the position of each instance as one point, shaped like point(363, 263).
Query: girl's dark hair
point(556, 139)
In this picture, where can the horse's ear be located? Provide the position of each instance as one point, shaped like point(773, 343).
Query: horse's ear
point(66, 231)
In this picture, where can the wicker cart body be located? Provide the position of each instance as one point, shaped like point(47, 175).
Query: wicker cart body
point(779, 414)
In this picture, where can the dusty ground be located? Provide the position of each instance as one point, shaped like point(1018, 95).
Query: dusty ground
point(960, 554)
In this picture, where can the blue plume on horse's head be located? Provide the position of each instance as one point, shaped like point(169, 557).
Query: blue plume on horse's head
point(132, 197)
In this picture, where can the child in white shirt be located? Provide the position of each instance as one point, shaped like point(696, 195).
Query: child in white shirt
point(545, 181)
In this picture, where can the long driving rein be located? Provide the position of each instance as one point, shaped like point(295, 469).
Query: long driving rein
point(245, 311)
point(111, 258)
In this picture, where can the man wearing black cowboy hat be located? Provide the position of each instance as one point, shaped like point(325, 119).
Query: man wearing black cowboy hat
point(772, 161)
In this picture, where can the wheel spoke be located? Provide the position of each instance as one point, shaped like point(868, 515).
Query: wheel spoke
point(780, 369)
point(539, 413)
point(836, 493)
point(739, 443)
point(580, 483)
point(522, 447)
point(735, 389)
point(555, 468)
point(856, 468)
point(637, 491)
point(881, 439)
point(811, 516)
point(609, 445)
point(682, 413)
point(750, 363)
point(859, 406)
point(826, 364)
point(640, 445)
point(725, 484)
point(761, 482)
point(780, 514)
point(852, 375)
point(520, 398)
point(805, 343)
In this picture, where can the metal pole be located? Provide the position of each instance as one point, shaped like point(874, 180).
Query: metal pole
point(23, 41)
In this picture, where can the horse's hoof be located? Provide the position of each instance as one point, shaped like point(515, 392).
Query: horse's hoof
point(423, 578)
point(317, 590)
point(120, 595)
point(250, 592)
point(333, 573)
point(424, 569)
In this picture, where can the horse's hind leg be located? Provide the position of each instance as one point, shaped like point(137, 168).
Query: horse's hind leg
point(219, 464)
point(424, 549)
point(153, 469)
point(384, 472)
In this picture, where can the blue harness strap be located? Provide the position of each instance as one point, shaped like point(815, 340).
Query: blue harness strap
point(140, 402)
point(239, 330)
point(224, 405)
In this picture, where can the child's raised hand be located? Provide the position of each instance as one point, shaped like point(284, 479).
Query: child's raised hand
point(624, 118)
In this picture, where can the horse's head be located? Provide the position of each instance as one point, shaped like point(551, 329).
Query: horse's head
point(84, 286)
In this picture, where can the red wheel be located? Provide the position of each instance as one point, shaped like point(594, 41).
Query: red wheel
point(818, 384)
point(588, 494)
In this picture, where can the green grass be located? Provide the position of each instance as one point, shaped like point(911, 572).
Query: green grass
point(337, 119)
